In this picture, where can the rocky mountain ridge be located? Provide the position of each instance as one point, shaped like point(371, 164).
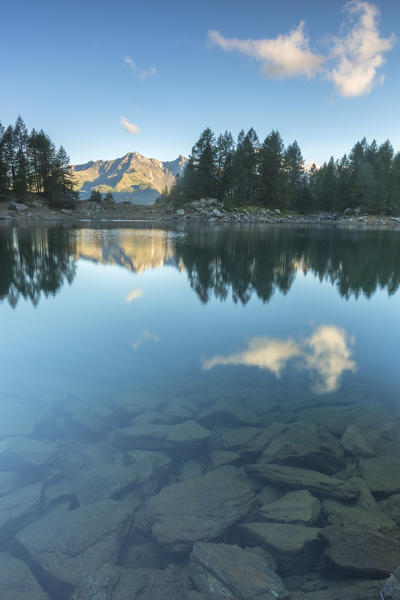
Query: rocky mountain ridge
point(132, 177)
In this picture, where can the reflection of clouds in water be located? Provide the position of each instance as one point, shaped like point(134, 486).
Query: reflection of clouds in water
point(262, 352)
point(133, 295)
point(146, 336)
point(326, 353)
point(330, 354)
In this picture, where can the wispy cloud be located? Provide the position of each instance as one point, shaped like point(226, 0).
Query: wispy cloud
point(360, 52)
point(133, 295)
point(284, 56)
point(326, 354)
point(129, 127)
point(146, 336)
point(139, 72)
point(352, 64)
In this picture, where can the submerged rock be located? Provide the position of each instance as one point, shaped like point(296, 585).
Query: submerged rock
point(391, 589)
point(354, 443)
point(188, 437)
point(17, 581)
point(18, 508)
point(294, 547)
point(308, 456)
point(104, 473)
point(199, 509)
point(227, 411)
point(249, 440)
point(294, 477)
point(66, 545)
point(110, 582)
point(365, 512)
point(224, 571)
point(391, 507)
point(346, 589)
point(298, 508)
point(382, 474)
point(362, 551)
point(21, 452)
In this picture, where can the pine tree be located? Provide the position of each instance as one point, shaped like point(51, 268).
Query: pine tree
point(271, 169)
point(224, 158)
point(294, 175)
point(61, 184)
point(21, 164)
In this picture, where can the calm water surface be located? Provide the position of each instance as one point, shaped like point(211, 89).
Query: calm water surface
point(103, 329)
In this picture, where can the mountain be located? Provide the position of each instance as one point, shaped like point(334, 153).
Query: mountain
point(132, 177)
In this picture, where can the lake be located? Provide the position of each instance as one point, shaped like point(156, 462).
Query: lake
point(179, 403)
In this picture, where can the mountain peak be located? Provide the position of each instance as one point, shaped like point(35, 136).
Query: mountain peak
point(132, 177)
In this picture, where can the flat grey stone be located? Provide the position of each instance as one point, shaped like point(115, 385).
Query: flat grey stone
point(188, 437)
point(365, 512)
point(294, 547)
point(21, 452)
point(365, 552)
point(382, 474)
point(225, 571)
point(199, 509)
point(249, 440)
point(107, 474)
point(17, 581)
point(391, 589)
point(67, 545)
point(18, 508)
point(223, 457)
point(391, 507)
point(111, 582)
point(355, 444)
point(296, 478)
point(298, 508)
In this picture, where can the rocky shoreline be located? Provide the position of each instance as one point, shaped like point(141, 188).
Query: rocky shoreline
point(202, 499)
point(202, 211)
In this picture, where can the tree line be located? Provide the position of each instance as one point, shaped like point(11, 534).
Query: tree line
point(269, 174)
point(31, 163)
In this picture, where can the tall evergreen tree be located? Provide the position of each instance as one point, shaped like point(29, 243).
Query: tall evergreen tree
point(294, 174)
point(271, 169)
point(224, 158)
point(21, 164)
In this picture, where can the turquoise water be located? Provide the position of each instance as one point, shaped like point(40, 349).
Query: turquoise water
point(101, 325)
point(89, 312)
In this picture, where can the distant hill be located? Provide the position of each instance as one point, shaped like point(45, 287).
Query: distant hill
point(132, 177)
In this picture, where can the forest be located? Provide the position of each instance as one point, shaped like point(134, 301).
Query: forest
point(31, 164)
point(267, 173)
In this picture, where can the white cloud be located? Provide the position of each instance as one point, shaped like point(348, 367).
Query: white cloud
point(140, 73)
point(129, 127)
point(352, 64)
point(284, 56)
point(133, 295)
point(145, 74)
point(326, 354)
point(130, 62)
point(146, 336)
point(360, 52)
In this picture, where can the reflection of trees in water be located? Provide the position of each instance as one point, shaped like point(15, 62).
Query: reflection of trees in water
point(218, 262)
point(34, 262)
point(263, 261)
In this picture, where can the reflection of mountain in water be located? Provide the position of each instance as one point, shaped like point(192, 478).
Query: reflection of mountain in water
point(34, 262)
point(136, 251)
point(220, 263)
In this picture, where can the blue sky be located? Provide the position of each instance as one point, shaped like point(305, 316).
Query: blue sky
point(77, 69)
